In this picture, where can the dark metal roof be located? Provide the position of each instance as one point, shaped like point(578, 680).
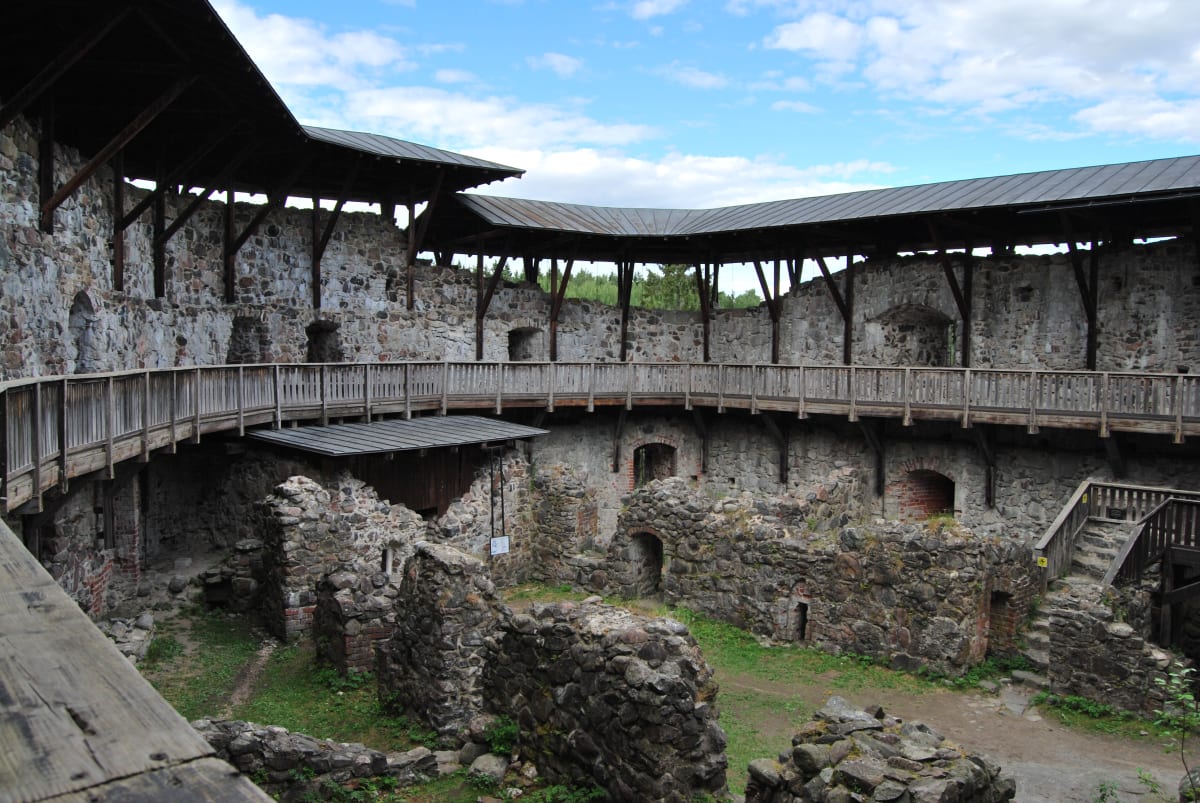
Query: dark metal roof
point(380, 145)
point(131, 53)
point(397, 435)
point(1154, 199)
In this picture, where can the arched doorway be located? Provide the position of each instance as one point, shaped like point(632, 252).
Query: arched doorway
point(248, 342)
point(646, 554)
point(84, 315)
point(924, 493)
point(653, 461)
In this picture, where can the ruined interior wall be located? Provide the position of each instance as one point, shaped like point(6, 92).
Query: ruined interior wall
point(311, 533)
point(602, 696)
point(609, 698)
point(795, 570)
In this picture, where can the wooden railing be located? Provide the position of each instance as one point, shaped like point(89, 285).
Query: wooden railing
point(55, 428)
point(1173, 522)
point(1107, 501)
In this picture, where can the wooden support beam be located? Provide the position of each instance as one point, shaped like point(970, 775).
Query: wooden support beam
point(531, 269)
point(435, 195)
point(624, 298)
point(484, 300)
point(848, 323)
point(772, 300)
point(118, 233)
point(616, 449)
point(983, 443)
point(702, 290)
point(320, 239)
point(780, 436)
point(56, 67)
point(181, 169)
point(874, 439)
point(411, 258)
point(123, 138)
point(1088, 288)
point(558, 294)
point(962, 294)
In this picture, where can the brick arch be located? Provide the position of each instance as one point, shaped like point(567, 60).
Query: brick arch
point(653, 440)
point(921, 488)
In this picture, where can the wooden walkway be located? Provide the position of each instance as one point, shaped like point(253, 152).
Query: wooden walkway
point(54, 429)
point(77, 721)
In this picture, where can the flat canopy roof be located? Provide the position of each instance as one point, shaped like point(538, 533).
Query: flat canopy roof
point(1136, 199)
point(397, 435)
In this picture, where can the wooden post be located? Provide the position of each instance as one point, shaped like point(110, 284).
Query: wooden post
point(46, 164)
point(702, 285)
point(229, 255)
point(35, 426)
point(158, 247)
point(848, 322)
point(411, 261)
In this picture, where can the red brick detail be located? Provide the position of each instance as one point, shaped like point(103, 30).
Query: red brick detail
point(922, 493)
point(630, 469)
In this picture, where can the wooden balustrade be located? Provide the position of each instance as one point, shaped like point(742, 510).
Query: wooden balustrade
point(69, 425)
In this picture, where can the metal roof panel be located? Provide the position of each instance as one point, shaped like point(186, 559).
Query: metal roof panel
point(397, 435)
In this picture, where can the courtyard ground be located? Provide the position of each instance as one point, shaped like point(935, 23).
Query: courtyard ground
point(216, 665)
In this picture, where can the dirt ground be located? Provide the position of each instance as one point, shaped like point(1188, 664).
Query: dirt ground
point(1049, 761)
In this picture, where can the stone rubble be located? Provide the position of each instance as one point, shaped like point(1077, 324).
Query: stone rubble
point(294, 764)
point(846, 755)
point(131, 635)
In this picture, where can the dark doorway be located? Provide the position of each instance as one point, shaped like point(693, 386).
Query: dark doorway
point(324, 342)
point(1002, 624)
point(646, 552)
point(653, 461)
point(248, 342)
point(525, 344)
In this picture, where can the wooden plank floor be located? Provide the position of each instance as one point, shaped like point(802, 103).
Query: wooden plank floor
point(77, 721)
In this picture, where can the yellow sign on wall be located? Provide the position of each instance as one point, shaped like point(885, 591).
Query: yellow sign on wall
point(1043, 562)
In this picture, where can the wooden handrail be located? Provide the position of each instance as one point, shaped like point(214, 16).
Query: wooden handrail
point(186, 402)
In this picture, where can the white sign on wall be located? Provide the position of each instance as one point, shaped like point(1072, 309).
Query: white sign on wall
point(500, 545)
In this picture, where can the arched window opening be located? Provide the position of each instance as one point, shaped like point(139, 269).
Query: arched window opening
point(653, 461)
point(525, 344)
point(646, 553)
point(925, 493)
point(84, 315)
point(913, 334)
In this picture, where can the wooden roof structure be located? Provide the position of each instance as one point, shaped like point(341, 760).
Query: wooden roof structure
point(165, 85)
point(1143, 199)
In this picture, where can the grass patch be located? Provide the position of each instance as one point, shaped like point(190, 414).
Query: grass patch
point(1089, 715)
point(199, 659)
point(732, 650)
point(296, 693)
point(536, 592)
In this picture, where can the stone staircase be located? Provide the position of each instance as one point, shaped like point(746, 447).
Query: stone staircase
point(1095, 549)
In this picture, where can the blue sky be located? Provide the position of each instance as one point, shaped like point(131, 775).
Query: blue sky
point(683, 103)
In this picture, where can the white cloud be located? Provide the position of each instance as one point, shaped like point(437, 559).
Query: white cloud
point(775, 81)
point(1151, 117)
point(825, 35)
point(677, 181)
point(452, 76)
point(794, 106)
point(459, 121)
point(565, 66)
point(1114, 65)
point(692, 76)
point(292, 51)
point(645, 9)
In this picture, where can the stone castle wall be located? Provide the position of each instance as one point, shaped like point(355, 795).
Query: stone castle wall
point(1028, 313)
